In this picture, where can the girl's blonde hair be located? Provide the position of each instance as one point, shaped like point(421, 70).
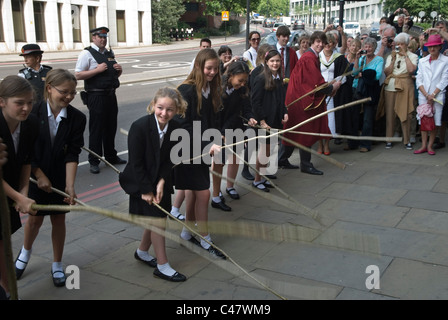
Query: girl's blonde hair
point(197, 78)
point(173, 94)
point(57, 77)
point(15, 86)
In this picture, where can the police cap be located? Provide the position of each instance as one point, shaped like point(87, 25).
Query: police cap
point(101, 31)
point(31, 48)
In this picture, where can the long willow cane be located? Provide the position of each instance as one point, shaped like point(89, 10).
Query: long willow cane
point(6, 236)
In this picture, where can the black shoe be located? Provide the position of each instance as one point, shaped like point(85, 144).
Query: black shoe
point(271, 176)
point(221, 205)
point(117, 160)
point(312, 170)
point(260, 186)
point(177, 277)
point(195, 241)
point(58, 282)
point(152, 263)
point(439, 145)
point(216, 253)
point(94, 168)
point(234, 195)
point(246, 174)
point(19, 272)
point(287, 165)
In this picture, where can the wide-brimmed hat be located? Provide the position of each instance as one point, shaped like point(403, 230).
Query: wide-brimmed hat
point(434, 40)
point(31, 48)
point(101, 31)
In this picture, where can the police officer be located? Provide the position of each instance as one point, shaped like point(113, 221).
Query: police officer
point(100, 71)
point(34, 71)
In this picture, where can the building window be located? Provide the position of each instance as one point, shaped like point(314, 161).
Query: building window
point(92, 18)
point(76, 23)
point(39, 21)
point(61, 32)
point(121, 26)
point(2, 37)
point(140, 26)
point(17, 17)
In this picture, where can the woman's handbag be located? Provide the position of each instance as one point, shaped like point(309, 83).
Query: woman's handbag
point(427, 124)
point(426, 115)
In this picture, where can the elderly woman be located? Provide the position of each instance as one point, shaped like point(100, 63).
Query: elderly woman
point(432, 78)
point(303, 45)
point(399, 88)
point(369, 68)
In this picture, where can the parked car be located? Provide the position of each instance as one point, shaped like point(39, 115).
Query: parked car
point(352, 29)
point(298, 24)
point(271, 38)
point(258, 19)
point(268, 22)
point(374, 31)
point(276, 25)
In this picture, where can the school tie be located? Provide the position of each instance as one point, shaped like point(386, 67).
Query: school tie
point(162, 134)
point(282, 49)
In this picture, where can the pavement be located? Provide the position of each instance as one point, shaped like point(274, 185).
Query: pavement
point(375, 230)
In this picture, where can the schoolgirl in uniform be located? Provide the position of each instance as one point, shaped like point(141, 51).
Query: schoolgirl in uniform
point(202, 91)
point(57, 149)
point(147, 177)
point(236, 104)
point(268, 104)
point(19, 130)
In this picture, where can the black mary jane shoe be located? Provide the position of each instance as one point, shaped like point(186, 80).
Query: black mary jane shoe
point(19, 272)
point(221, 205)
point(58, 282)
point(234, 195)
point(177, 277)
point(260, 186)
point(152, 263)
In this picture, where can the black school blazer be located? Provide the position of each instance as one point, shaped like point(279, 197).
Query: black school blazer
point(147, 161)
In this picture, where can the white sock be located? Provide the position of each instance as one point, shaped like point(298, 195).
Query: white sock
point(144, 255)
point(25, 257)
point(57, 266)
point(185, 234)
point(174, 210)
point(216, 199)
point(166, 269)
point(204, 243)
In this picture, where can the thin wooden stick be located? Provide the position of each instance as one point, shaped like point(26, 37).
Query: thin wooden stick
point(341, 136)
point(7, 246)
point(141, 222)
point(61, 193)
point(101, 158)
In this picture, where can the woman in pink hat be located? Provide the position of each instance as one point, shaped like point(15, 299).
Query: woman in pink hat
point(432, 78)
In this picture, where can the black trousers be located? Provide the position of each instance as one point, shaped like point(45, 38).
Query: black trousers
point(103, 112)
point(286, 152)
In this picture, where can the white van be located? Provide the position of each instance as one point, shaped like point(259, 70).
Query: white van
point(336, 22)
point(352, 29)
point(285, 20)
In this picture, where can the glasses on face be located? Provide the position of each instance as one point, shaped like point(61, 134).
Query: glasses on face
point(65, 93)
point(255, 39)
point(363, 38)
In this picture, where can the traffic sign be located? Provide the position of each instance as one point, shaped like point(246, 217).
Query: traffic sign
point(225, 16)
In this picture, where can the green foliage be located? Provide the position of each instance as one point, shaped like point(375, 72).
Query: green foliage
point(273, 8)
point(237, 6)
point(415, 6)
point(165, 15)
point(230, 27)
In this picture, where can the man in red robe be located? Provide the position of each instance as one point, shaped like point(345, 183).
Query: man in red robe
point(305, 77)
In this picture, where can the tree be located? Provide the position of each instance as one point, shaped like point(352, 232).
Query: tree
point(272, 8)
point(237, 6)
point(165, 15)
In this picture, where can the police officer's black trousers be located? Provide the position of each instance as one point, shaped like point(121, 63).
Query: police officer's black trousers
point(103, 112)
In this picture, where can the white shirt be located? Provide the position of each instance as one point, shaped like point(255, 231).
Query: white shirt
point(161, 132)
point(53, 123)
point(86, 61)
point(251, 55)
point(16, 138)
point(432, 75)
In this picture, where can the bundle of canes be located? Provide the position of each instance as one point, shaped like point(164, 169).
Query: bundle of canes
point(146, 224)
point(6, 236)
